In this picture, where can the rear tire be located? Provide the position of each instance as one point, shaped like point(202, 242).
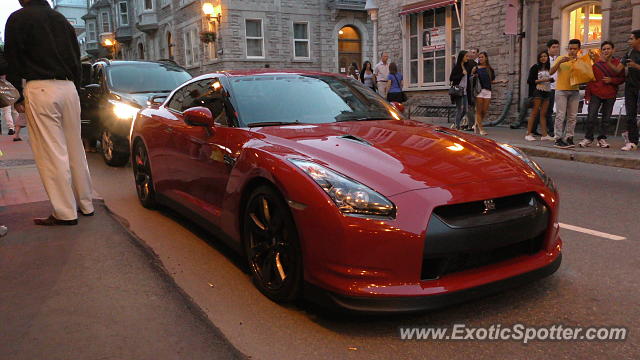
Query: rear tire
point(271, 245)
point(112, 148)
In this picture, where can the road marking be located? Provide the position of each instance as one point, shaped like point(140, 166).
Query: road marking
point(592, 232)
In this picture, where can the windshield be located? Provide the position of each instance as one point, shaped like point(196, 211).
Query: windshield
point(146, 77)
point(307, 99)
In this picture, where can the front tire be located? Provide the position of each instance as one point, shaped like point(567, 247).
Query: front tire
point(112, 149)
point(271, 245)
point(142, 176)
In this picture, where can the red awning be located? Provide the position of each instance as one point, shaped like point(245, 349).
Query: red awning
point(425, 5)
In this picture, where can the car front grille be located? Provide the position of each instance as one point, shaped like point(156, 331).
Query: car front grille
point(467, 236)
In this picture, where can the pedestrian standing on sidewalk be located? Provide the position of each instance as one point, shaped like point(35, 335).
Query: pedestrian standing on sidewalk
point(472, 65)
point(7, 111)
point(352, 72)
point(631, 61)
point(460, 77)
point(540, 91)
point(394, 84)
point(567, 96)
point(367, 77)
point(41, 47)
point(601, 95)
point(553, 47)
point(381, 71)
point(486, 77)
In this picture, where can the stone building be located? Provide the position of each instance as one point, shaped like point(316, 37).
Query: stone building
point(322, 35)
point(423, 37)
point(73, 10)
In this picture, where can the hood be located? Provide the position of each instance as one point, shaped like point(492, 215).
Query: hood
point(139, 99)
point(397, 156)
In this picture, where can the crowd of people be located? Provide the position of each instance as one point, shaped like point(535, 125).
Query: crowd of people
point(550, 81)
point(384, 78)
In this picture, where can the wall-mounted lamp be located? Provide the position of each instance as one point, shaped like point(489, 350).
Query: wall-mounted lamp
point(213, 13)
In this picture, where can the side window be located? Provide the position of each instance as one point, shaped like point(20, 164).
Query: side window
point(95, 79)
point(208, 93)
point(178, 97)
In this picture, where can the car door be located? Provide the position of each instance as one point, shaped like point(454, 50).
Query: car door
point(205, 157)
point(90, 94)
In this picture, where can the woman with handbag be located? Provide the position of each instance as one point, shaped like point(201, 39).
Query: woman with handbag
point(367, 76)
point(460, 79)
point(394, 84)
point(540, 91)
point(485, 77)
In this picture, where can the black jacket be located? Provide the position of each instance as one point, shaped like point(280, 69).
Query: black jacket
point(40, 44)
point(456, 76)
point(531, 80)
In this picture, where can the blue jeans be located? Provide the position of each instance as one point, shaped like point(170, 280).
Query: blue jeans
point(631, 94)
point(461, 109)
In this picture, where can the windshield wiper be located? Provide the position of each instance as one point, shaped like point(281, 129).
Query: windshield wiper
point(150, 91)
point(363, 118)
point(273, 123)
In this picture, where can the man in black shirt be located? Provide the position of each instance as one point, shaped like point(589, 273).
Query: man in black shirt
point(631, 61)
point(41, 47)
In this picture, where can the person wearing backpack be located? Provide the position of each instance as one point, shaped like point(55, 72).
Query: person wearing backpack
point(601, 95)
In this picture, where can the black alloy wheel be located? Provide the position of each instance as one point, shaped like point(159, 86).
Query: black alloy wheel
point(112, 149)
point(271, 245)
point(143, 178)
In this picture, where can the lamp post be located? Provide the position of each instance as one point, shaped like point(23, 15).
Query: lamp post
point(212, 14)
point(372, 10)
point(111, 45)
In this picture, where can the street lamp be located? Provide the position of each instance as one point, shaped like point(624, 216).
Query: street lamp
point(372, 10)
point(212, 12)
point(111, 45)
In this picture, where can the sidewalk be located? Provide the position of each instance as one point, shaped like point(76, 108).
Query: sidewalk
point(90, 291)
point(612, 156)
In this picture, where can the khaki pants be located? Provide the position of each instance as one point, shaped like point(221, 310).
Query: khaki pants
point(567, 102)
point(382, 89)
point(53, 118)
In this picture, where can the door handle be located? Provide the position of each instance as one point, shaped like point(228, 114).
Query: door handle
point(168, 129)
point(229, 160)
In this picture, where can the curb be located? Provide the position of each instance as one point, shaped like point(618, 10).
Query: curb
point(589, 158)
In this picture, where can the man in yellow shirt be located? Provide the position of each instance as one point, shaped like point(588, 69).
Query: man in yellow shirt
point(567, 96)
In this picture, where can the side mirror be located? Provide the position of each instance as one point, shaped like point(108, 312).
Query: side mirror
point(199, 116)
point(93, 89)
point(156, 99)
point(398, 106)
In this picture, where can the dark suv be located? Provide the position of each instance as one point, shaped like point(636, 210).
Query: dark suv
point(113, 93)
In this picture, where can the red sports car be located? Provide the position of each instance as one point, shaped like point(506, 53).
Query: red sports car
point(331, 193)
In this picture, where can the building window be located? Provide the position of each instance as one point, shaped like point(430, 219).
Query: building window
point(106, 24)
point(301, 41)
point(585, 24)
point(432, 42)
point(148, 4)
point(91, 30)
point(191, 49)
point(254, 38)
point(123, 10)
point(169, 46)
point(140, 51)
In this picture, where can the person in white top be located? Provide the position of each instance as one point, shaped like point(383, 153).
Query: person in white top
point(553, 48)
point(381, 71)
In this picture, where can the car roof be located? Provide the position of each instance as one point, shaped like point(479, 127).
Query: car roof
point(139, 62)
point(239, 73)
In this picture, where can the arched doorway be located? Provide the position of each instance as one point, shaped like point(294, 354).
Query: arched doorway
point(169, 46)
point(349, 48)
point(140, 51)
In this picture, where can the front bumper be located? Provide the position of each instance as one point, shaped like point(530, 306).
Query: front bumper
point(428, 302)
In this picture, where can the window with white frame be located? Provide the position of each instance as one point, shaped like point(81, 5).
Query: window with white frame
point(585, 24)
point(254, 38)
point(91, 31)
point(148, 4)
point(106, 24)
point(301, 40)
point(191, 49)
point(123, 11)
point(429, 58)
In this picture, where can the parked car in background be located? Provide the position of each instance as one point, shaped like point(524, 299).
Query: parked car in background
point(114, 91)
point(331, 194)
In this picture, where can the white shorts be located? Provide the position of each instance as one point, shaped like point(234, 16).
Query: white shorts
point(484, 94)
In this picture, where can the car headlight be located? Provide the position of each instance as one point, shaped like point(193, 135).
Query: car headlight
point(123, 111)
point(351, 197)
point(532, 164)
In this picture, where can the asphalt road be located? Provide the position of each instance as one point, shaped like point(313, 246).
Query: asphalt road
point(597, 284)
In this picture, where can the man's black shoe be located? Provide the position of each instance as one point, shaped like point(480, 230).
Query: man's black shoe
point(11, 132)
point(561, 144)
point(52, 221)
point(569, 142)
point(89, 214)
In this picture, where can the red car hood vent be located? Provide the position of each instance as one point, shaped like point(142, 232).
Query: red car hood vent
point(397, 156)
